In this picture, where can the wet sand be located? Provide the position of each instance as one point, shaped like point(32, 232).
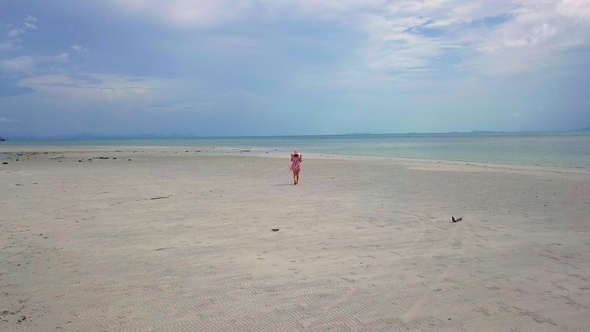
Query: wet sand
point(171, 239)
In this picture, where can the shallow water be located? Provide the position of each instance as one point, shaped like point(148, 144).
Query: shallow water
point(547, 149)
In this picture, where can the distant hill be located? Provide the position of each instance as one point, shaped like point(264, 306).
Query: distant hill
point(584, 129)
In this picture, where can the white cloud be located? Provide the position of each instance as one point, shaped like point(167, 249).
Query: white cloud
point(537, 36)
point(28, 65)
point(13, 33)
point(23, 64)
point(78, 48)
point(30, 26)
point(206, 13)
point(198, 13)
point(62, 58)
point(30, 18)
point(575, 8)
point(483, 36)
point(9, 45)
point(492, 37)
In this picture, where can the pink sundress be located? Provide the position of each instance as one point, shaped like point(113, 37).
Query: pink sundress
point(295, 163)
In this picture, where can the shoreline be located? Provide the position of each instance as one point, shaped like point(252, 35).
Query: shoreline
point(540, 150)
point(269, 153)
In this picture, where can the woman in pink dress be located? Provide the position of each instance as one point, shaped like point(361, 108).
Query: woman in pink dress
point(296, 159)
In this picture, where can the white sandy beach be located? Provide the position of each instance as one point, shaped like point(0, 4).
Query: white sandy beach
point(171, 239)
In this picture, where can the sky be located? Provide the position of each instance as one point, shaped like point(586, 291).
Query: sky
point(284, 67)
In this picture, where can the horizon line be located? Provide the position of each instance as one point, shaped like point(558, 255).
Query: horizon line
point(175, 135)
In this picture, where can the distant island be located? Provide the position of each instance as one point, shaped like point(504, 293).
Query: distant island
point(2, 139)
point(144, 136)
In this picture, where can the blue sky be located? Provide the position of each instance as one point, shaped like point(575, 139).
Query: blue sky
point(270, 67)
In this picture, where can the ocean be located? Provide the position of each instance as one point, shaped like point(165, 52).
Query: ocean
point(545, 149)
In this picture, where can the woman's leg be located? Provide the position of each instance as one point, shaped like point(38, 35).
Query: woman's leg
point(296, 177)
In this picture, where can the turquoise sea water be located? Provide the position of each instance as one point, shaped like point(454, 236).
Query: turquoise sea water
point(547, 149)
